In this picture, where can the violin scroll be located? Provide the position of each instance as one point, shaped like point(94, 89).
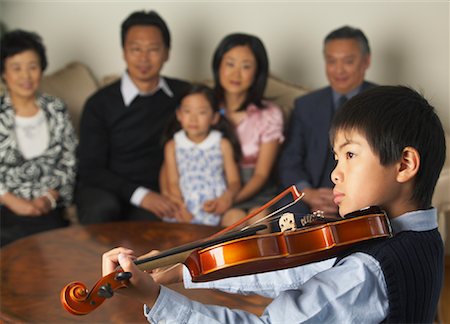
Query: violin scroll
point(76, 298)
point(73, 294)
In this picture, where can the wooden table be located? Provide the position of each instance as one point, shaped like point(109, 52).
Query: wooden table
point(35, 269)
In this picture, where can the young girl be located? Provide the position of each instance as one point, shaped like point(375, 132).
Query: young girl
point(202, 175)
point(240, 67)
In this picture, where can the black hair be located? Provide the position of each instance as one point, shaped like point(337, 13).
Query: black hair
point(256, 92)
point(223, 125)
point(392, 118)
point(347, 32)
point(18, 41)
point(143, 18)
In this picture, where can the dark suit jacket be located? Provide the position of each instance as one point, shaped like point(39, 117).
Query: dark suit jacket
point(306, 157)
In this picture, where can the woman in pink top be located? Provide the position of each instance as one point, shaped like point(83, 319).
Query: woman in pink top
point(240, 67)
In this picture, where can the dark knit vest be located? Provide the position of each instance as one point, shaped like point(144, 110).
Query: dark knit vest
point(121, 146)
point(412, 264)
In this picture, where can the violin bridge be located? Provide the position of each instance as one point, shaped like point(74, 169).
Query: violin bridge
point(287, 222)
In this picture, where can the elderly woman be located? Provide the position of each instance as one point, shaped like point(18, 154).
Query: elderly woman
point(37, 143)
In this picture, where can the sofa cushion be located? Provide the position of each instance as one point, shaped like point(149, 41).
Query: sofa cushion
point(283, 94)
point(74, 83)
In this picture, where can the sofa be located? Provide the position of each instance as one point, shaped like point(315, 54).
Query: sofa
point(74, 83)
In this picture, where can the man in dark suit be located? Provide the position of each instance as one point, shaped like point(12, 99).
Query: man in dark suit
point(306, 159)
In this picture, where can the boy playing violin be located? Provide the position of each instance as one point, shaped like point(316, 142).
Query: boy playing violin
point(389, 146)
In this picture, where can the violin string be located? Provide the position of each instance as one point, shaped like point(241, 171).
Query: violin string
point(274, 213)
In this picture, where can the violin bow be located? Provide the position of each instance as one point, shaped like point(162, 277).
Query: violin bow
point(296, 196)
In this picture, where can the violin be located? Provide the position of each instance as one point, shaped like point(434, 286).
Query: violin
point(231, 252)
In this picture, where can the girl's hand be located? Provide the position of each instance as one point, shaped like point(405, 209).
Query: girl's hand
point(182, 215)
point(209, 206)
point(219, 205)
point(141, 285)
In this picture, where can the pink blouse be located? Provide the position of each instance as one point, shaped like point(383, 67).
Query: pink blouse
point(259, 126)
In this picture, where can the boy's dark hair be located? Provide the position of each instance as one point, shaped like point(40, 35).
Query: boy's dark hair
point(347, 32)
point(18, 41)
point(143, 18)
point(223, 125)
point(392, 118)
point(256, 91)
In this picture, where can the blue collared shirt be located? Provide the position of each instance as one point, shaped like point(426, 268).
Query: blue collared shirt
point(313, 293)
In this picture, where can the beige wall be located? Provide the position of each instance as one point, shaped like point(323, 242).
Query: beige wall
point(410, 41)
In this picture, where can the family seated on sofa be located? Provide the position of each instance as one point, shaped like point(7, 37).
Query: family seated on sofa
point(207, 176)
point(120, 157)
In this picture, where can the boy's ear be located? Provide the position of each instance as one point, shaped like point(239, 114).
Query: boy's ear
point(409, 164)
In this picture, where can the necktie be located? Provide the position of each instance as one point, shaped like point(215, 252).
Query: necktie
point(342, 100)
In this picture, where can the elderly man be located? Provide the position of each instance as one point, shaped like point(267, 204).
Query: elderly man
point(307, 159)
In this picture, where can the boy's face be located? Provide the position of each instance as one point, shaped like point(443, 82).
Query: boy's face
point(360, 179)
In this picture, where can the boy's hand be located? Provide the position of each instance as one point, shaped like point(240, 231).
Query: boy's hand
point(141, 285)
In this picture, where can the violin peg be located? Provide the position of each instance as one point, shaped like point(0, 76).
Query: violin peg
point(105, 291)
point(121, 276)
